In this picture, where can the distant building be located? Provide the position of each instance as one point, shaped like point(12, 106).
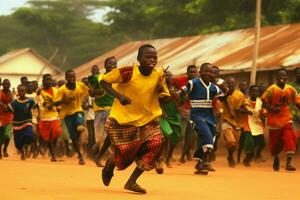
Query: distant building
point(25, 62)
point(232, 51)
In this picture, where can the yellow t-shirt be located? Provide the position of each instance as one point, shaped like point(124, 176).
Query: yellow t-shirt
point(235, 101)
point(75, 96)
point(143, 91)
point(48, 97)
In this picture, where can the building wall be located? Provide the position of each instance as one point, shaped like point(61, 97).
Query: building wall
point(27, 64)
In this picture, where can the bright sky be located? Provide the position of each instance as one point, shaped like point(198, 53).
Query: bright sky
point(8, 6)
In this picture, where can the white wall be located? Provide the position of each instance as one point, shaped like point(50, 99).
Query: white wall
point(27, 64)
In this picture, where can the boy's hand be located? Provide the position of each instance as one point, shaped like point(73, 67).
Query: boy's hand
point(124, 100)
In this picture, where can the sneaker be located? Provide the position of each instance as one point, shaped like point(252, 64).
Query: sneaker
point(202, 169)
point(276, 163)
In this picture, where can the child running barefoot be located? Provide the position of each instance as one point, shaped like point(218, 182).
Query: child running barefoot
point(49, 123)
point(70, 96)
point(22, 121)
point(6, 117)
point(276, 100)
point(132, 124)
point(253, 129)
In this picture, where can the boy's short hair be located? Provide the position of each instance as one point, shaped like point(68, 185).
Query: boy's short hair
point(190, 66)
point(69, 71)
point(205, 65)
point(253, 86)
point(141, 49)
point(45, 75)
point(281, 69)
point(109, 58)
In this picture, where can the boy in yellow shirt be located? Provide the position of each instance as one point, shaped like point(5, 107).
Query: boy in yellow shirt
point(70, 97)
point(132, 124)
point(232, 119)
point(49, 123)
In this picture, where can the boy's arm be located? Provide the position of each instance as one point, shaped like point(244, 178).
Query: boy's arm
point(124, 100)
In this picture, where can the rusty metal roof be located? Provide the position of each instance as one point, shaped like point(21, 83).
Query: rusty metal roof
point(232, 51)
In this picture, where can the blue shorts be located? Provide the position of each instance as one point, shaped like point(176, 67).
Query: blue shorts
point(72, 122)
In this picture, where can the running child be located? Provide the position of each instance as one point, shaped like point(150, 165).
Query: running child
point(6, 117)
point(132, 125)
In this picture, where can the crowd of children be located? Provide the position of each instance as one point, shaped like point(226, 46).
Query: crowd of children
point(141, 113)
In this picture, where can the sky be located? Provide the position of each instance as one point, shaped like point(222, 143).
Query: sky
point(8, 6)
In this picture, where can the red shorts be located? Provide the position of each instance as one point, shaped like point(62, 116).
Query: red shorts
point(50, 130)
point(283, 138)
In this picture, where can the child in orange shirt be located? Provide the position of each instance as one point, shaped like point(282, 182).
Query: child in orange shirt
point(276, 100)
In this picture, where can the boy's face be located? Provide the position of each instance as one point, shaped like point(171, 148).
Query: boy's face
point(47, 81)
point(111, 64)
point(148, 58)
point(29, 87)
point(6, 84)
point(243, 86)
point(71, 77)
point(21, 91)
point(35, 85)
point(281, 77)
point(262, 87)
point(192, 73)
point(95, 70)
point(215, 73)
point(254, 92)
point(169, 77)
point(24, 81)
point(206, 73)
point(231, 84)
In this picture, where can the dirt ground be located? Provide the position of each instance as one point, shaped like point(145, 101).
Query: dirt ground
point(39, 179)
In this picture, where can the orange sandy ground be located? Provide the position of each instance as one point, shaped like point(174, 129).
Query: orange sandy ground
point(42, 180)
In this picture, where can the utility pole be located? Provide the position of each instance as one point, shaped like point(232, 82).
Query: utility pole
point(256, 43)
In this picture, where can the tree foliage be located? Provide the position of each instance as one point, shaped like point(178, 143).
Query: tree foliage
point(64, 24)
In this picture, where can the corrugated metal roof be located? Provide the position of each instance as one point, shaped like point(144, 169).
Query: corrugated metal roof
point(232, 51)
